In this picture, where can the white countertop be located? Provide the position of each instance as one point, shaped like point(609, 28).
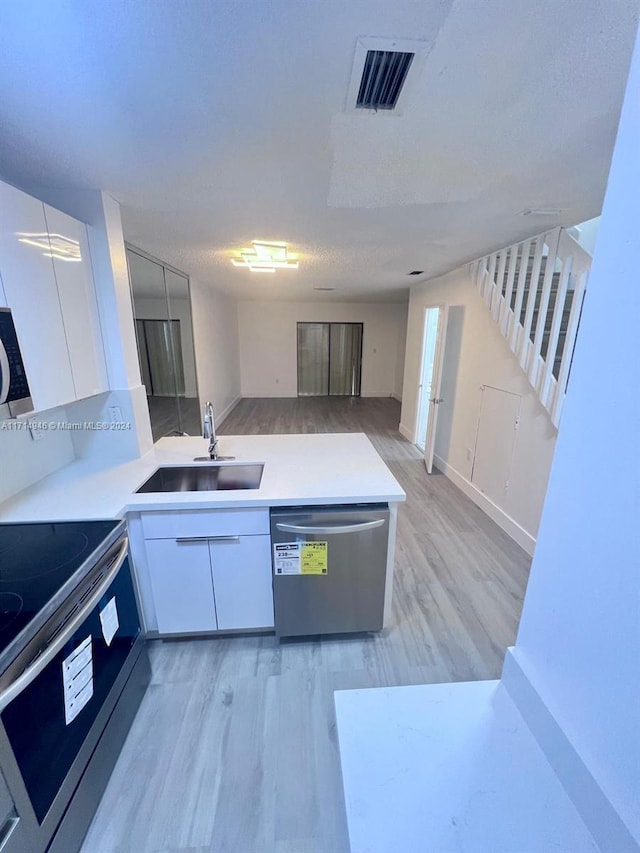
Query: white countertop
point(308, 469)
point(449, 767)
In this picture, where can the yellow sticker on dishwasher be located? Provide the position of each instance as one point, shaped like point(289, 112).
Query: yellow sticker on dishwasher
point(313, 558)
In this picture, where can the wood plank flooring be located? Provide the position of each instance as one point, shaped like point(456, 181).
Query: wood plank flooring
point(234, 749)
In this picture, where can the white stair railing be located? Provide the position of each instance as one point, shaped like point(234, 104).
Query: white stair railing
point(534, 290)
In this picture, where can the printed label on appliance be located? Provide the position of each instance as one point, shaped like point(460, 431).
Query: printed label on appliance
point(109, 621)
point(77, 680)
point(313, 559)
point(286, 558)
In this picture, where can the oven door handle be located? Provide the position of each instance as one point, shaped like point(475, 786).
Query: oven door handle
point(49, 652)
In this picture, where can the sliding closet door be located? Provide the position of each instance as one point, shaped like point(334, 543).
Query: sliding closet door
point(143, 357)
point(163, 343)
point(329, 359)
point(345, 358)
point(313, 359)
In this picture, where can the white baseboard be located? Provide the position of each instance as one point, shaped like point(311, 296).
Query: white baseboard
point(227, 411)
point(261, 395)
point(600, 816)
point(406, 432)
point(397, 397)
point(386, 394)
point(510, 526)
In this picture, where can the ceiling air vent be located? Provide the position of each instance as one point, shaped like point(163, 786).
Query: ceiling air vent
point(382, 80)
point(383, 74)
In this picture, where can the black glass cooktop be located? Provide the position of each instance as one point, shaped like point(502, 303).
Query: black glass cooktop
point(36, 559)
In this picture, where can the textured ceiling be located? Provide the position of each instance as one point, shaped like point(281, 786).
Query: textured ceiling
point(217, 122)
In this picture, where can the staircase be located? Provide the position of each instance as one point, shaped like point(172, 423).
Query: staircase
point(534, 290)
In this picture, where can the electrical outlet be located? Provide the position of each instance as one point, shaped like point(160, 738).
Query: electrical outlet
point(37, 434)
point(116, 414)
point(469, 454)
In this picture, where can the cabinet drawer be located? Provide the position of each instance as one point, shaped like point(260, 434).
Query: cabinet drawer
point(205, 522)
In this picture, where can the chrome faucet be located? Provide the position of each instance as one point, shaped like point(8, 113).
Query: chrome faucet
point(209, 430)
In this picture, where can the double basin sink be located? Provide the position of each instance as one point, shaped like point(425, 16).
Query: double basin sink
point(206, 477)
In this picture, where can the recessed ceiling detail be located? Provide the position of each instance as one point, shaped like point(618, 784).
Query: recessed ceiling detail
point(266, 256)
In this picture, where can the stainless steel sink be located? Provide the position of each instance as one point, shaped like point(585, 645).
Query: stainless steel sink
point(211, 477)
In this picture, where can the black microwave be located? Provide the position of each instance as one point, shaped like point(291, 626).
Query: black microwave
point(15, 397)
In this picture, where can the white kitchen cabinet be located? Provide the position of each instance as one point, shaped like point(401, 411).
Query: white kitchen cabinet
point(30, 291)
point(209, 569)
point(76, 291)
point(180, 578)
point(242, 581)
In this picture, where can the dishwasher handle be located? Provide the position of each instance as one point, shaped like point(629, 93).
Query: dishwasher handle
point(329, 530)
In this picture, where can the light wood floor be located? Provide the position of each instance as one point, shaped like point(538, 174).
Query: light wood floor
point(234, 749)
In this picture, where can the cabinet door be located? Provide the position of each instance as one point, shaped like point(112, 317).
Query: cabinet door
point(30, 290)
point(241, 569)
point(74, 277)
point(180, 575)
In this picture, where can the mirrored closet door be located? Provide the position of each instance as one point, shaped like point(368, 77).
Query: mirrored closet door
point(164, 333)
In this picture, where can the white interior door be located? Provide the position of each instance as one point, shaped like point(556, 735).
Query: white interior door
point(429, 399)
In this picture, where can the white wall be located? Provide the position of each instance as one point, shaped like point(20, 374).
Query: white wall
point(400, 352)
point(579, 638)
point(156, 309)
point(24, 461)
point(215, 333)
point(268, 343)
point(477, 354)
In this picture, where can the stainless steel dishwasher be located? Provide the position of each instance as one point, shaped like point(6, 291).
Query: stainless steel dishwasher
point(329, 568)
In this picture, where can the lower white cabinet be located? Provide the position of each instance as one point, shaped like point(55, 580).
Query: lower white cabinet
point(202, 583)
point(242, 584)
point(180, 575)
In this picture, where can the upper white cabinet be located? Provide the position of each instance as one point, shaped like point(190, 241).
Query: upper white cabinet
point(47, 279)
point(30, 291)
point(74, 277)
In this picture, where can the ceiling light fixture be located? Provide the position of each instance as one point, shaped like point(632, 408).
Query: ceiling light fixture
point(266, 256)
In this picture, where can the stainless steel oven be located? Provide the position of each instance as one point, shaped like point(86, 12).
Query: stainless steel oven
point(67, 700)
